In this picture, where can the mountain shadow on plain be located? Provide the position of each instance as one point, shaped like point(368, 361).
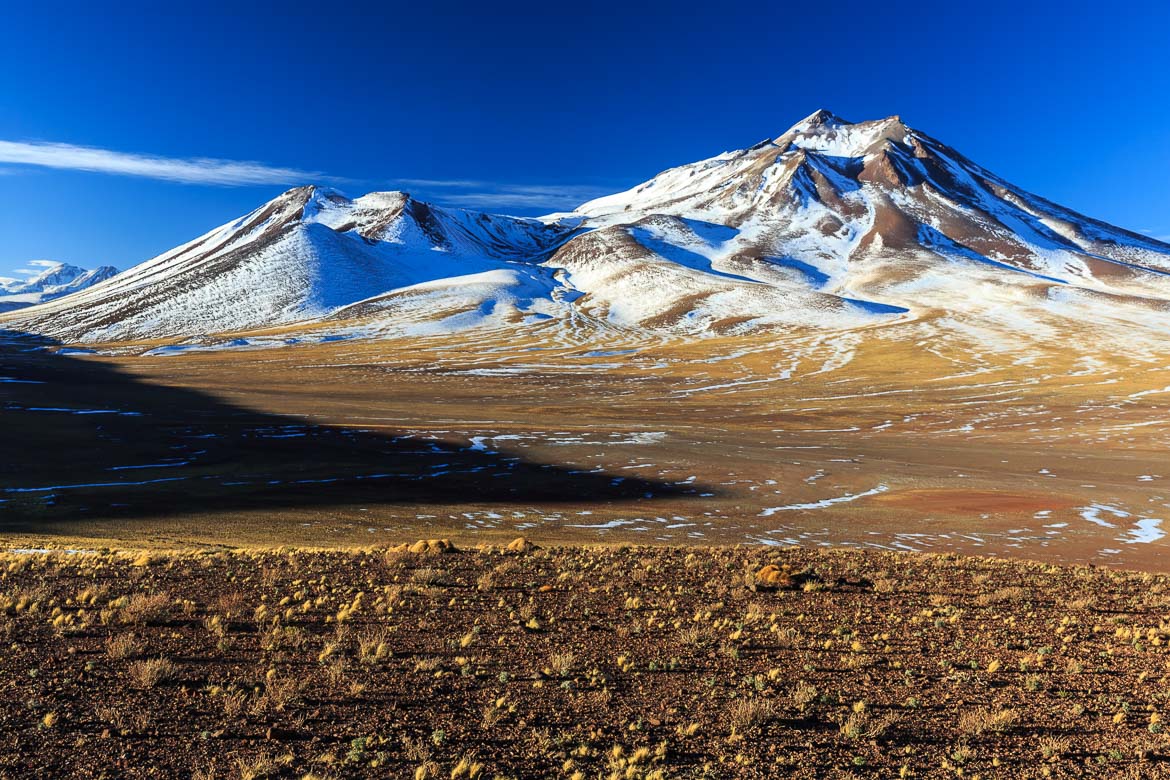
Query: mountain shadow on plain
point(84, 439)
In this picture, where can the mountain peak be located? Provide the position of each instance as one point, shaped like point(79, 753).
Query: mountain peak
point(56, 280)
point(386, 199)
point(821, 119)
point(828, 134)
point(54, 274)
point(308, 193)
point(306, 203)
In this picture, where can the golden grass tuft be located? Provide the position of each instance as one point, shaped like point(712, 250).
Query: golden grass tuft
point(151, 672)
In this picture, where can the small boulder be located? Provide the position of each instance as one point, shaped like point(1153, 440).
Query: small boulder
point(521, 545)
point(772, 576)
point(425, 546)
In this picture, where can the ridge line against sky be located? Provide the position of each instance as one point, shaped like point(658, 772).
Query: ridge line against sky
point(15, 156)
point(468, 193)
point(526, 107)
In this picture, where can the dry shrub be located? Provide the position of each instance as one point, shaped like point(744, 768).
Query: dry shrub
point(256, 767)
point(374, 646)
point(213, 624)
point(280, 692)
point(746, 713)
point(395, 558)
point(415, 750)
point(506, 568)
point(130, 720)
point(427, 576)
point(696, 636)
point(1053, 747)
point(562, 663)
point(982, 720)
point(229, 604)
point(151, 672)
point(123, 646)
point(234, 703)
point(1002, 595)
point(803, 695)
point(788, 637)
point(144, 609)
point(864, 725)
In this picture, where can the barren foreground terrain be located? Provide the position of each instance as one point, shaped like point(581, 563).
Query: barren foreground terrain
point(620, 662)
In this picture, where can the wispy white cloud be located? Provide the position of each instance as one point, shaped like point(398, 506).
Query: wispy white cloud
point(505, 200)
point(438, 183)
point(193, 170)
point(492, 195)
point(41, 265)
point(471, 193)
point(32, 268)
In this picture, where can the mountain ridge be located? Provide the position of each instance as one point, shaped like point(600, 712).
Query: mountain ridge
point(832, 225)
point(55, 281)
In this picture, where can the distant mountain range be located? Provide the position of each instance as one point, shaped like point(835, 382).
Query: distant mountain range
point(55, 281)
point(830, 226)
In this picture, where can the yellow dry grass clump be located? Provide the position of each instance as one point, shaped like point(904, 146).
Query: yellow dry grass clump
point(424, 546)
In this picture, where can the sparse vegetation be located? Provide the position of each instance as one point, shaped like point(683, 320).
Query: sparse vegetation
point(122, 646)
point(151, 672)
point(580, 662)
point(746, 713)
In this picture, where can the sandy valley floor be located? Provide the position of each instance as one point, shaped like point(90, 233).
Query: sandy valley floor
point(876, 440)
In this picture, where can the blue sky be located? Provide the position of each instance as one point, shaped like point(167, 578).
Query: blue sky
point(531, 107)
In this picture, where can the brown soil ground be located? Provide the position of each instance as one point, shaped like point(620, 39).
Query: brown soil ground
point(620, 662)
point(972, 501)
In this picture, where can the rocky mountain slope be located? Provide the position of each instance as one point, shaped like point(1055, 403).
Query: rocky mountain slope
point(830, 226)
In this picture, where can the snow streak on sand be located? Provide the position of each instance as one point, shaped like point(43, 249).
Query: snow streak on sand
point(1093, 514)
point(824, 502)
point(1145, 529)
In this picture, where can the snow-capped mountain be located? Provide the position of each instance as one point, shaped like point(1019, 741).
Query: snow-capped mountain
point(55, 281)
point(831, 225)
point(828, 196)
point(302, 256)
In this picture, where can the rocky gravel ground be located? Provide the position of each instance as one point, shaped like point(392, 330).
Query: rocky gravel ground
point(434, 661)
